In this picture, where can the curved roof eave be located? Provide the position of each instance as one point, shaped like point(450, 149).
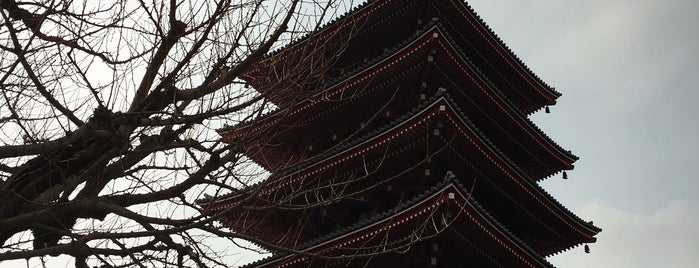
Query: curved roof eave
point(509, 51)
point(448, 182)
point(441, 95)
point(374, 63)
point(365, 7)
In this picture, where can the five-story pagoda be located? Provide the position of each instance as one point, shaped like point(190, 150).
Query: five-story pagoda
point(404, 141)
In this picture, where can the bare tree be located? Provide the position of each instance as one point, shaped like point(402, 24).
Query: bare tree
point(107, 117)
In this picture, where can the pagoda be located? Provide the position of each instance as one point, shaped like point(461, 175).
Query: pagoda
point(401, 138)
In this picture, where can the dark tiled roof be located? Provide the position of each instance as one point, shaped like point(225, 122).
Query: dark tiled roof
point(441, 94)
point(501, 95)
point(361, 67)
point(346, 146)
point(449, 180)
point(335, 81)
point(468, 7)
point(518, 169)
point(388, 53)
point(507, 48)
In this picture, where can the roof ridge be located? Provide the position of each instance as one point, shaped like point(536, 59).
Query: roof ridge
point(441, 93)
point(515, 166)
point(338, 80)
point(401, 46)
point(502, 95)
point(468, 7)
point(342, 147)
point(450, 179)
point(508, 49)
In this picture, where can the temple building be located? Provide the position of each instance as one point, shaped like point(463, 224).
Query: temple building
point(401, 138)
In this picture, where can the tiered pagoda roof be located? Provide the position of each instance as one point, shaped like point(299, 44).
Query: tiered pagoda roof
point(447, 212)
point(387, 111)
point(376, 25)
point(427, 58)
point(498, 177)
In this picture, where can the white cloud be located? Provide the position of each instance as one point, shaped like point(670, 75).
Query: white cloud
point(668, 237)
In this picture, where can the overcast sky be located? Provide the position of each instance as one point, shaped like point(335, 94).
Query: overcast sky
point(628, 71)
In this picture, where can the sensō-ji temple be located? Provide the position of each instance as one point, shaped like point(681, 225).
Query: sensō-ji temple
point(401, 139)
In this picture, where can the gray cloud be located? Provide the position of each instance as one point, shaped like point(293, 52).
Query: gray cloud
point(633, 240)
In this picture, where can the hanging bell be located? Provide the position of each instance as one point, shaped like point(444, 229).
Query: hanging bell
point(547, 110)
point(565, 175)
point(587, 248)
